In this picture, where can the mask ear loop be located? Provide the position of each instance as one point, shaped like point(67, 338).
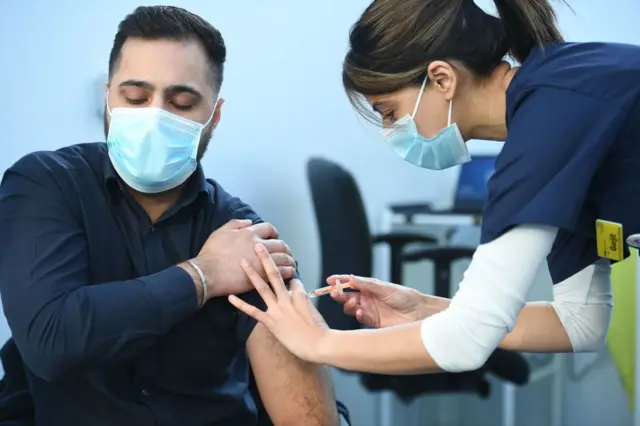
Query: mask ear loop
point(215, 106)
point(450, 109)
point(415, 108)
point(106, 101)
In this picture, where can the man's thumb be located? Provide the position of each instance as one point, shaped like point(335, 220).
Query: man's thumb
point(236, 224)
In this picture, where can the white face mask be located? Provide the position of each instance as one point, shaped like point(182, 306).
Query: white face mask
point(445, 150)
point(151, 149)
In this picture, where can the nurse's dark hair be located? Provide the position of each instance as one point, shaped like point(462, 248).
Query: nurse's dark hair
point(393, 42)
point(170, 23)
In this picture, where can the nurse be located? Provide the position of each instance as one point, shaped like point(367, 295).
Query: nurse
point(566, 187)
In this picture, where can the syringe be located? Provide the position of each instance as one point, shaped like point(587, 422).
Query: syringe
point(326, 290)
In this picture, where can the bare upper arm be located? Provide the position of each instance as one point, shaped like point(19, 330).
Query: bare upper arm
point(294, 392)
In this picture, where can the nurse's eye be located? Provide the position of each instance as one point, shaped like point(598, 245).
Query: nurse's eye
point(138, 101)
point(389, 117)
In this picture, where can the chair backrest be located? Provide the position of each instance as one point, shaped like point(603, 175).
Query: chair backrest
point(345, 240)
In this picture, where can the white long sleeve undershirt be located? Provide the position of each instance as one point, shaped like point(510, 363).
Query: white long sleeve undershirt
point(494, 290)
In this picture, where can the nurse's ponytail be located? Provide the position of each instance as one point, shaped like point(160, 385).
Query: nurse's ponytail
point(528, 23)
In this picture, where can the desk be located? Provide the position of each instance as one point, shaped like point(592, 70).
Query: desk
point(441, 226)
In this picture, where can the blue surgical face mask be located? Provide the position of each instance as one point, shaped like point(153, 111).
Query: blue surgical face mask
point(151, 149)
point(446, 149)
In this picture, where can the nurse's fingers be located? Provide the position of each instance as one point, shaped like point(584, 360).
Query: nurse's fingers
point(343, 278)
point(351, 306)
point(275, 279)
point(344, 297)
point(296, 285)
point(260, 285)
point(250, 310)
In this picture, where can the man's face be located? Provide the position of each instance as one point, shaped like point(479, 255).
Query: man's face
point(172, 75)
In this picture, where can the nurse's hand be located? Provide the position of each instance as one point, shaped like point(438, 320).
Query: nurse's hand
point(290, 316)
point(378, 303)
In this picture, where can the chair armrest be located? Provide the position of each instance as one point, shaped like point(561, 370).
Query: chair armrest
point(402, 238)
point(442, 258)
point(509, 366)
point(439, 254)
point(410, 210)
point(397, 241)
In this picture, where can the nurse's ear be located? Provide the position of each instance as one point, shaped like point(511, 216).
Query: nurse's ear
point(443, 78)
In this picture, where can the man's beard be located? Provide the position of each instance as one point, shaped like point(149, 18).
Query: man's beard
point(205, 137)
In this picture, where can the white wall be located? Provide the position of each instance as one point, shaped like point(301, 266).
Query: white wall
point(284, 104)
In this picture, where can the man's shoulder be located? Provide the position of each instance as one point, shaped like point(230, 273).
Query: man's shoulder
point(55, 163)
point(228, 206)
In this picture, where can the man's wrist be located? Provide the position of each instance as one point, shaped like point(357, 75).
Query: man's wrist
point(196, 281)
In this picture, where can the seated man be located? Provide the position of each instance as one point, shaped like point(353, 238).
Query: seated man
point(115, 255)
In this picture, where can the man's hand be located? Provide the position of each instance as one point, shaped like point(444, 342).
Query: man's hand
point(219, 259)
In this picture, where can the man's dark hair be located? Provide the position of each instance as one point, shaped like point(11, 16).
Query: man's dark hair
point(172, 23)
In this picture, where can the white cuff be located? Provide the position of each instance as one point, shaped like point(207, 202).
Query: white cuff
point(583, 304)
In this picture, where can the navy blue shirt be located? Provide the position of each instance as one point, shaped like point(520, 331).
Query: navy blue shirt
point(572, 154)
point(108, 328)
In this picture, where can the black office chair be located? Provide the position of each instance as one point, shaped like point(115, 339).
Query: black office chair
point(345, 240)
point(346, 247)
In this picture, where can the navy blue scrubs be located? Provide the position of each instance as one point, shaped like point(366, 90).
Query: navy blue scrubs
point(572, 154)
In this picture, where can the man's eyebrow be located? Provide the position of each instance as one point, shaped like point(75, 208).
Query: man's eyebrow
point(171, 90)
point(137, 83)
point(181, 88)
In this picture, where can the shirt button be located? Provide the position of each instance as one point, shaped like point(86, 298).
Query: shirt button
point(153, 229)
point(145, 392)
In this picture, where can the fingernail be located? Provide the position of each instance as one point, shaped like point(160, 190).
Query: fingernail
point(244, 263)
point(259, 247)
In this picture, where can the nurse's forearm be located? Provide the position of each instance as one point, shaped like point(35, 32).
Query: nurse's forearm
point(391, 350)
point(538, 328)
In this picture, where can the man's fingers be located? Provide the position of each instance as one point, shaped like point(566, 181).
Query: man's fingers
point(236, 224)
point(261, 286)
point(282, 259)
point(265, 230)
point(287, 272)
point(250, 310)
point(277, 246)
